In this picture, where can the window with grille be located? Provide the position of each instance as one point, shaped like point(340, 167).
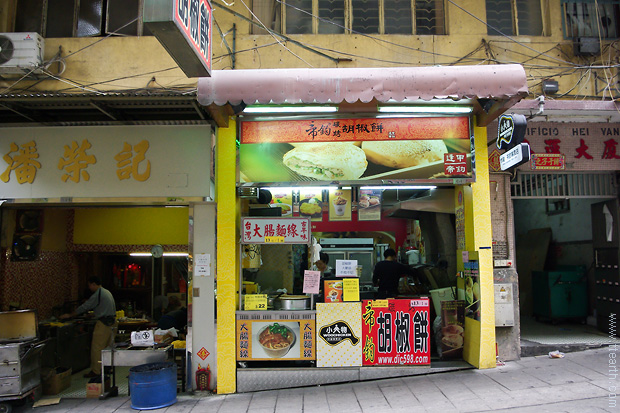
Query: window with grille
point(358, 16)
point(591, 19)
point(515, 17)
point(80, 18)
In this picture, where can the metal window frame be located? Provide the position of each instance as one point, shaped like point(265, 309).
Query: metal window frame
point(140, 23)
point(348, 17)
point(564, 185)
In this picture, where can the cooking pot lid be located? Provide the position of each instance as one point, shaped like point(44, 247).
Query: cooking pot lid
point(293, 297)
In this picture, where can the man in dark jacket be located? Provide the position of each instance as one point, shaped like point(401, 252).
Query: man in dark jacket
point(387, 273)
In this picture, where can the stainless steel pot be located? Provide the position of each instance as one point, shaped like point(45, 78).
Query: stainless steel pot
point(292, 302)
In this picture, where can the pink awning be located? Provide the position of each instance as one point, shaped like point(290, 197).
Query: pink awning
point(504, 84)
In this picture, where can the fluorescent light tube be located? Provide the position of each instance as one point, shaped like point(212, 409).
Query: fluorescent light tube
point(290, 109)
point(400, 187)
point(426, 109)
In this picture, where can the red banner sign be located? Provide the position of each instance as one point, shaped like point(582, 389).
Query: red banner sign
point(275, 230)
point(547, 161)
point(346, 130)
point(396, 332)
point(455, 163)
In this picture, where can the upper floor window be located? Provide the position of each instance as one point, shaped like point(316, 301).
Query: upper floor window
point(342, 16)
point(591, 18)
point(80, 18)
point(515, 17)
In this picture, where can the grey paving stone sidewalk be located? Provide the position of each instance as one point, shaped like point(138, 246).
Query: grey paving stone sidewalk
point(579, 382)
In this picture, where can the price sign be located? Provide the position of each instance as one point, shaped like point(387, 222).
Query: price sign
point(351, 289)
point(255, 301)
point(379, 303)
point(274, 240)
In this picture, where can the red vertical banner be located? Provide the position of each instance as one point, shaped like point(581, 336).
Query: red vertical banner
point(396, 332)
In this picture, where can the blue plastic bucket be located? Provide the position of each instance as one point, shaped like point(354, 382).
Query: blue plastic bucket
point(153, 385)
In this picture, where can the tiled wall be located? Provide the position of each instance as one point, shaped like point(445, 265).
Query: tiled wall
point(53, 277)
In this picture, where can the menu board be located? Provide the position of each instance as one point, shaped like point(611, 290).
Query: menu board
point(396, 332)
point(333, 290)
point(339, 204)
point(283, 198)
point(339, 332)
point(369, 205)
point(275, 339)
point(311, 203)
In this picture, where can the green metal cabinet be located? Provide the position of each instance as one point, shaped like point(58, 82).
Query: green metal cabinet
point(560, 294)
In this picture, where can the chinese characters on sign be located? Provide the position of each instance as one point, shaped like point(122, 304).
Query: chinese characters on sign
point(295, 339)
point(547, 161)
point(455, 163)
point(193, 17)
point(74, 162)
point(349, 130)
point(289, 230)
point(24, 163)
point(397, 333)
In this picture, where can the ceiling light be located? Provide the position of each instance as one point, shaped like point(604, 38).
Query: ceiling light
point(426, 109)
point(290, 109)
point(166, 254)
point(400, 187)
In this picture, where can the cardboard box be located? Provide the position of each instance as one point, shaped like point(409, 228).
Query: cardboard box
point(56, 381)
point(93, 387)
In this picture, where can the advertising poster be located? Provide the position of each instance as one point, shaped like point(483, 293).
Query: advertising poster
point(472, 289)
point(311, 203)
point(396, 332)
point(283, 198)
point(369, 205)
point(339, 204)
point(347, 150)
point(333, 290)
point(452, 329)
point(339, 335)
point(275, 340)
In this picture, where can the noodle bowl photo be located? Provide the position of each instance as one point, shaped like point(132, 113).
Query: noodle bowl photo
point(276, 340)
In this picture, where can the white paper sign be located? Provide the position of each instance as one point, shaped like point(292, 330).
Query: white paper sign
point(202, 267)
point(312, 279)
point(142, 338)
point(346, 268)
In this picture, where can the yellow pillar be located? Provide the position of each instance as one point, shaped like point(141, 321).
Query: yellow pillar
point(479, 347)
point(227, 272)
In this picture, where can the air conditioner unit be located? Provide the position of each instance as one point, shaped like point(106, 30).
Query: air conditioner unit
point(586, 46)
point(21, 53)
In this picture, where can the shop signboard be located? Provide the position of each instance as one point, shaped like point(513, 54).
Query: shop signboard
point(275, 339)
point(105, 161)
point(396, 332)
point(547, 161)
point(516, 156)
point(369, 150)
point(260, 230)
point(185, 29)
point(339, 334)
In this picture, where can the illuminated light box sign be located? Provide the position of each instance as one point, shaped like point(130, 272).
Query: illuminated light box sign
point(184, 28)
point(368, 150)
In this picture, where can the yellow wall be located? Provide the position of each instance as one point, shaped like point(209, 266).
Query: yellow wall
point(138, 59)
point(131, 226)
point(55, 224)
point(479, 349)
point(227, 275)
